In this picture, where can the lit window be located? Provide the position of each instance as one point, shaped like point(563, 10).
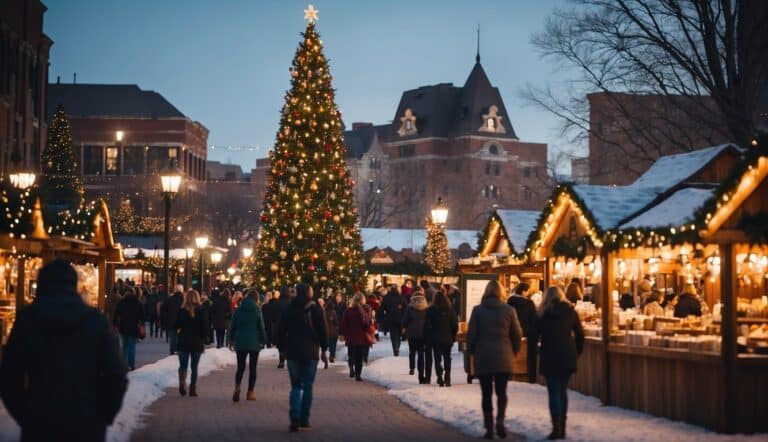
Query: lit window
point(408, 124)
point(173, 153)
point(111, 163)
point(491, 123)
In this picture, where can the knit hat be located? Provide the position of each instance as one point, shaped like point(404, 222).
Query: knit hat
point(58, 277)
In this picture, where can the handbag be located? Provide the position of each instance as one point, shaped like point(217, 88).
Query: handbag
point(370, 331)
point(142, 331)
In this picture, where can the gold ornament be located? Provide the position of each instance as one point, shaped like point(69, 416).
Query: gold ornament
point(283, 254)
point(313, 186)
point(274, 267)
point(336, 218)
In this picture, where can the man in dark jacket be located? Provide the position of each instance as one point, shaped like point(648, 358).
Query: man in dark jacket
point(152, 300)
point(283, 301)
point(271, 313)
point(222, 310)
point(170, 309)
point(526, 314)
point(302, 337)
point(62, 376)
point(129, 315)
point(688, 303)
point(391, 316)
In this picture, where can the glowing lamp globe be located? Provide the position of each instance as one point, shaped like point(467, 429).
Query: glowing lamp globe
point(440, 212)
point(201, 242)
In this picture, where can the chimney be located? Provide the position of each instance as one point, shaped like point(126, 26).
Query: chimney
point(360, 125)
point(74, 78)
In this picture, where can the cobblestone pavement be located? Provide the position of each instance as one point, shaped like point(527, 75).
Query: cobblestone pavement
point(343, 410)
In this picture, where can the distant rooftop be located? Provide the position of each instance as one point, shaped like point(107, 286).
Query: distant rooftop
point(109, 100)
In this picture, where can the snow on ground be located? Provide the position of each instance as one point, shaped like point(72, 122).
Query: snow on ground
point(527, 412)
point(145, 385)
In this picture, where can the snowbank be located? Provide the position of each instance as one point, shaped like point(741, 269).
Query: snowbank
point(145, 385)
point(527, 412)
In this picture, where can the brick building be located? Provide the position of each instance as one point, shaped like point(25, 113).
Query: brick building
point(123, 136)
point(454, 142)
point(24, 52)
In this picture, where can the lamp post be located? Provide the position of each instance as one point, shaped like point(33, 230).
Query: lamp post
point(437, 255)
point(215, 260)
point(440, 213)
point(188, 275)
point(201, 242)
point(20, 178)
point(170, 180)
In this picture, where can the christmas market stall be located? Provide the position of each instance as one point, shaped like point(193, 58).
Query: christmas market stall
point(26, 244)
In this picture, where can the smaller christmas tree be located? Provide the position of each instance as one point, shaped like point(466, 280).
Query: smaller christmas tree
point(436, 253)
point(125, 218)
point(61, 187)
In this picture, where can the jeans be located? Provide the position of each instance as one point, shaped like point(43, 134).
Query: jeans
point(174, 339)
point(394, 336)
point(420, 355)
point(487, 383)
point(356, 355)
point(129, 350)
point(557, 387)
point(302, 375)
point(153, 328)
point(254, 360)
point(332, 342)
point(184, 358)
point(220, 333)
point(443, 356)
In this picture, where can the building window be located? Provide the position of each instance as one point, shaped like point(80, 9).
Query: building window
point(527, 194)
point(487, 168)
point(492, 123)
point(407, 150)
point(407, 124)
point(173, 153)
point(112, 161)
point(157, 159)
point(493, 150)
point(494, 191)
point(484, 192)
point(527, 172)
point(93, 160)
point(374, 163)
point(133, 160)
point(496, 169)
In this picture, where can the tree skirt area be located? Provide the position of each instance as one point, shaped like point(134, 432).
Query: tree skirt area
point(145, 385)
point(527, 412)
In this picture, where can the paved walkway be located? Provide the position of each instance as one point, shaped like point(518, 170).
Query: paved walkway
point(343, 410)
point(151, 350)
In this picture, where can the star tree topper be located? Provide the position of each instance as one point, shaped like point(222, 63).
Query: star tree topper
point(310, 14)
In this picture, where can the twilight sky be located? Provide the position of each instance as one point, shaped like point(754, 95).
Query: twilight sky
point(225, 63)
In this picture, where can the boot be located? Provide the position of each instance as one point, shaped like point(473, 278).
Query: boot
point(251, 395)
point(562, 427)
point(183, 383)
point(555, 434)
point(501, 430)
point(192, 390)
point(447, 379)
point(236, 394)
point(488, 423)
point(440, 381)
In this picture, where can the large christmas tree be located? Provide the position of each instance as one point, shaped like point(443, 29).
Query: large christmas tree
point(436, 253)
point(60, 184)
point(309, 225)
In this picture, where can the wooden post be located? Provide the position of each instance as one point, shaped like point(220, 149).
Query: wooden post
point(547, 274)
point(21, 286)
point(728, 329)
point(607, 310)
point(102, 268)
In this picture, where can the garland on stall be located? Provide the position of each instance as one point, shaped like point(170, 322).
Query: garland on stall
point(16, 209)
point(575, 248)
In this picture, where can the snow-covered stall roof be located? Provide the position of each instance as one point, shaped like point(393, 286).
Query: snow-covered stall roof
point(679, 208)
point(610, 205)
point(415, 239)
point(671, 170)
point(518, 224)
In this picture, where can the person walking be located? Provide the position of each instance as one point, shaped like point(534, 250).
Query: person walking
point(247, 336)
point(170, 310)
point(354, 327)
point(332, 321)
point(153, 299)
point(493, 339)
point(562, 341)
point(129, 316)
point(222, 310)
point(440, 327)
point(110, 305)
point(271, 313)
point(391, 316)
point(413, 325)
point(526, 314)
point(61, 369)
point(283, 301)
point(191, 329)
point(303, 338)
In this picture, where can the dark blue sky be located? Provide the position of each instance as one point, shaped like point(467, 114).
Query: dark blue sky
point(225, 63)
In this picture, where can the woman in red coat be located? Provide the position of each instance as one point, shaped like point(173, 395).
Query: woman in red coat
point(354, 326)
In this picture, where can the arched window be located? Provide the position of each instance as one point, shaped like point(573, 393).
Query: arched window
point(493, 149)
point(492, 123)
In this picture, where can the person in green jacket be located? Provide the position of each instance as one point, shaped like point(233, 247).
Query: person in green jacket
point(247, 335)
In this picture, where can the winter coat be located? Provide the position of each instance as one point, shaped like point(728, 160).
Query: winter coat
point(170, 310)
point(687, 305)
point(110, 305)
point(152, 300)
point(653, 309)
point(128, 315)
point(391, 311)
point(271, 312)
point(247, 328)
point(192, 331)
point(414, 317)
point(340, 309)
point(493, 337)
point(331, 320)
point(456, 301)
point(354, 326)
point(440, 326)
point(562, 339)
point(221, 311)
point(64, 349)
point(301, 332)
point(526, 314)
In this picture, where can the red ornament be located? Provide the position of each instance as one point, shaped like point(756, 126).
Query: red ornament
point(264, 218)
point(311, 267)
point(283, 234)
point(327, 214)
point(296, 114)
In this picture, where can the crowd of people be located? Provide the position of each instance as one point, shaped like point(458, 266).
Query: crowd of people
point(305, 323)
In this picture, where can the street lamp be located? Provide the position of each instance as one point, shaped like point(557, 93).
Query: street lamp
point(215, 259)
point(231, 242)
point(20, 178)
point(440, 212)
point(170, 181)
point(201, 242)
point(247, 252)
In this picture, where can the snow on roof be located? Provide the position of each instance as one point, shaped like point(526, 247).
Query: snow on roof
point(671, 170)
point(518, 224)
point(415, 239)
point(679, 208)
point(610, 205)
